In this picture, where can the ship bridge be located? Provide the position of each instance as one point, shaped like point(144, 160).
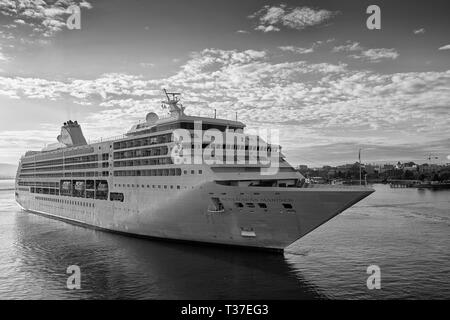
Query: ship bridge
point(177, 119)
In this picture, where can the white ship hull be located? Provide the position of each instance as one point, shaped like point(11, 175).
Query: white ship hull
point(184, 215)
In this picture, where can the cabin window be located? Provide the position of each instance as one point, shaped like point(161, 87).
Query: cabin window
point(116, 196)
point(239, 205)
point(262, 205)
point(250, 205)
point(287, 205)
point(101, 190)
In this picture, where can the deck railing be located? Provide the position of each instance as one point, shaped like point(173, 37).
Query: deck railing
point(108, 139)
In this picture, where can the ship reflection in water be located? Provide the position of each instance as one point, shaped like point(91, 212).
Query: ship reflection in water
point(119, 267)
point(406, 234)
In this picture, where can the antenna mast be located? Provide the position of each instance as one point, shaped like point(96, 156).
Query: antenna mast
point(172, 102)
point(174, 95)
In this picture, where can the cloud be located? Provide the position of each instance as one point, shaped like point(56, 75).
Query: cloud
point(19, 21)
point(267, 28)
point(272, 18)
point(314, 105)
point(45, 17)
point(242, 31)
point(107, 85)
point(446, 47)
point(419, 31)
point(371, 55)
point(320, 42)
point(352, 46)
point(297, 49)
point(301, 50)
point(375, 55)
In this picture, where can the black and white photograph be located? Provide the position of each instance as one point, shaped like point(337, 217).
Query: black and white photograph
point(214, 151)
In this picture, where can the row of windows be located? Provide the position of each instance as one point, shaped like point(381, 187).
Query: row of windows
point(71, 202)
point(153, 172)
point(57, 155)
point(90, 158)
point(61, 161)
point(39, 190)
point(260, 205)
point(39, 184)
point(97, 189)
point(93, 189)
point(149, 186)
point(187, 126)
point(163, 138)
point(165, 127)
point(66, 167)
point(39, 157)
point(231, 147)
point(67, 174)
point(138, 153)
point(41, 175)
point(43, 164)
point(217, 158)
point(144, 162)
point(58, 168)
point(114, 196)
point(85, 166)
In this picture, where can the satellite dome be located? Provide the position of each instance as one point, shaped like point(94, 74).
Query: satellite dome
point(151, 118)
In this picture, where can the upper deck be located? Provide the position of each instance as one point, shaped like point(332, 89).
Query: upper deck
point(147, 149)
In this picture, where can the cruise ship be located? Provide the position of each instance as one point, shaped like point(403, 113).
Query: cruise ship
point(151, 182)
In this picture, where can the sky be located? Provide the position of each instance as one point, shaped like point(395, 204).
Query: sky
point(310, 69)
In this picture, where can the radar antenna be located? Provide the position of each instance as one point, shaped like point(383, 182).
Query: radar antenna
point(175, 96)
point(172, 103)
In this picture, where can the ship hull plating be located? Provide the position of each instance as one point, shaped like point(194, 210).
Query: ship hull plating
point(254, 217)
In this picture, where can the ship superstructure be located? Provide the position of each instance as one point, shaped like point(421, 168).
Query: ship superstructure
point(150, 183)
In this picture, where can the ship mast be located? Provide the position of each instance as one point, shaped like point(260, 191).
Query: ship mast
point(172, 103)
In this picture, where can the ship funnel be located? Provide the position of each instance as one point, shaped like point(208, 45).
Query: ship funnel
point(72, 135)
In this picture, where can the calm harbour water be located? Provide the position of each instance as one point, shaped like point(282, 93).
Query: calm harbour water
point(404, 231)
